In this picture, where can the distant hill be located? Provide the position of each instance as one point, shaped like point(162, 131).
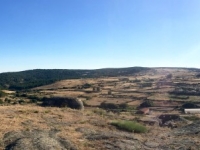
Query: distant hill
point(38, 77)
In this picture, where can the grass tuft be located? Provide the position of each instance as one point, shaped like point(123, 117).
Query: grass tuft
point(130, 126)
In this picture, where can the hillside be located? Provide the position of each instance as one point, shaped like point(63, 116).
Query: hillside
point(143, 111)
point(38, 77)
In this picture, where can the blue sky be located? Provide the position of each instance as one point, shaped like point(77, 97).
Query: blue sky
point(91, 34)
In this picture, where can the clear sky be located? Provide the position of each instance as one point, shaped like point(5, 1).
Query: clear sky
point(91, 34)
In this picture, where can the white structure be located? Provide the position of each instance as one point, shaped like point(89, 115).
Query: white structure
point(192, 111)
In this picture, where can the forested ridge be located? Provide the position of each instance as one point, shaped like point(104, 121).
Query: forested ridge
point(38, 77)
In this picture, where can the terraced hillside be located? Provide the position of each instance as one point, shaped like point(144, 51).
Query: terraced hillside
point(112, 117)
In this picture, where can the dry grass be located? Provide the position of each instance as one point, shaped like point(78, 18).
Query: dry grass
point(29, 117)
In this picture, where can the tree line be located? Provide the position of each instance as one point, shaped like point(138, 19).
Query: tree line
point(38, 77)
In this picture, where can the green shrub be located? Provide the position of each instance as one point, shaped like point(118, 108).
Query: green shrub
point(86, 85)
point(36, 111)
point(189, 105)
point(1, 101)
point(33, 101)
point(24, 95)
point(169, 76)
point(2, 94)
point(7, 100)
point(34, 97)
point(135, 81)
point(116, 107)
point(147, 84)
point(17, 94)
point(105, 105)
point(147, 103)
point(123, 106)
point(21, 101)
point(14, 103)
point(130, 126)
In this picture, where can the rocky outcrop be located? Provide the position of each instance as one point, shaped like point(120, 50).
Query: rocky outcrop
point(74, 103)
point(181, 144)
point(36, 140)
point(113, 140)
point(183, 138)
point(191, 129)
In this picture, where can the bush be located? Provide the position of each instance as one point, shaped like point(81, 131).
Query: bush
point(116, 107)
point(23, 95)
point(169, 76)
point(14, 103)
point(189, 105)
point(130, 126)
point(2, 94)
point(146, 103)
point(17, 94)
point(73, 103)
point(123, 106)
point(135, 81)
point(1, 101)
point(198, 75)
point(21, 101)
point(109, 106)
point(33, 101)
point(34, 98)
point(86, 86)
point(147, 84)
point(7, 100)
